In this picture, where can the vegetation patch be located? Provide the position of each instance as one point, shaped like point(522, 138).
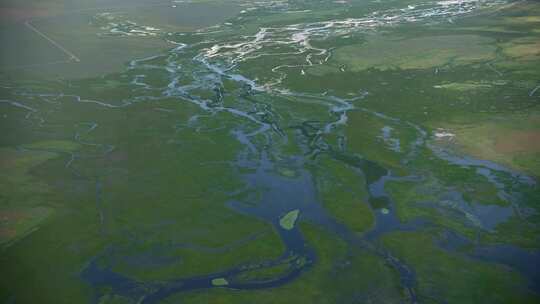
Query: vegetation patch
point(385, 53)
point(412, 202)
point(16, 223)
point(380, 140)
point(512, 140)
point(343, 193)
point(453, 278)
point(288, 220)
point(263, 273)
point(337, 277)
point(464, 86)
point(220, 282)
point(527, 48)
point(23, 204)
point(54, 146)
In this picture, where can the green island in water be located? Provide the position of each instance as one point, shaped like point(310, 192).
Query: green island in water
point(269, 151)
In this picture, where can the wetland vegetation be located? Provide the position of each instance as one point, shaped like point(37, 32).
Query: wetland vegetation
point(273, 151)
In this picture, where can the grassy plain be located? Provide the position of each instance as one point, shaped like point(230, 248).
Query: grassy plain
point(135, 165)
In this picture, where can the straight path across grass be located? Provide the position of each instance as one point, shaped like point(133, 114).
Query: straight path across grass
point(56, 44)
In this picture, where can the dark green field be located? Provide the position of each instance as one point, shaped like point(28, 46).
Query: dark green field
point(213, 151)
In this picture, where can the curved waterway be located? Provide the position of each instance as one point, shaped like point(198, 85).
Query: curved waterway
point(282, 194)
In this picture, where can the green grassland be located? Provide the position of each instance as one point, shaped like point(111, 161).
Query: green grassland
point(415, 53)
point(135, 165)
point(343, 194)
point(510, 140)
point(465, 281)
point(336, 278)
point(132, 207)
point(24, 198)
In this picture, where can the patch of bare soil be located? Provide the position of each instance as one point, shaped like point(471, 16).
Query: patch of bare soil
point(518, 141)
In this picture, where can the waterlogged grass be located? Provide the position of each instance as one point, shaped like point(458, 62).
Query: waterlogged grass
point(511, 140)
point(147, 191)
point(263, 274)
point(161, 261)
point(522, 232)
point(424, 200)
point(188, 164)
point(465, 179)
point(161, 177)
point(343, 193)
point(381, 140)
point(336, 277)
point(452, 278)
point(413, 202)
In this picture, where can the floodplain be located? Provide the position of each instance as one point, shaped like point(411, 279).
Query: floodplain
point(211, 151)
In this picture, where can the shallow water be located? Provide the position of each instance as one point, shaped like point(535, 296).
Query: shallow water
point(214, 88)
